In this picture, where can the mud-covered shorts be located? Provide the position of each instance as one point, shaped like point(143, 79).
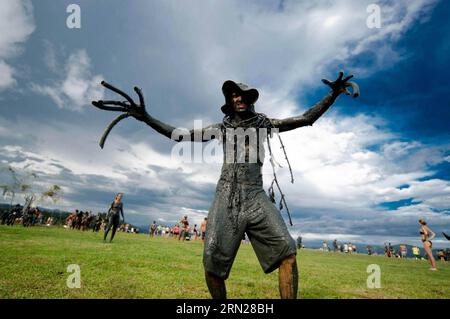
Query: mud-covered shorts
point(246, 210)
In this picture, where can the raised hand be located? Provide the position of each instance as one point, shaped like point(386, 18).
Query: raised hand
point(128, 107)
point(341, 85)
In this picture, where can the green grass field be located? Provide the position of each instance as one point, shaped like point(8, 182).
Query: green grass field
point(33, 264)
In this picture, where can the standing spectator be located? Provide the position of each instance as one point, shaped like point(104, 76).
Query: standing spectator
point(50, 221)
point(403, 251)
point(350, 248)
point(40, 216)
point(299, 242)
point(79, 219)
point(416, 252)
point(390, 250)
point(73, 219)
point(97, 223)
point(195, 232)
point(152, 229)
point(335, 245)
point(5, 214)
point(69, 221)
point(176, 231)
point(187, 233)
point(184, 227)
point(441, 255)
point(203, 227)
point(34, 213)
point(158, 230)
point(103, 224)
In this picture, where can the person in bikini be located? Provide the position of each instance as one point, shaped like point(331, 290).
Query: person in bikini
point(427, 235)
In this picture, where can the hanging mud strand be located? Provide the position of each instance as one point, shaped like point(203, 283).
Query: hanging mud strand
point(234, 199)
point(271, 192)
point(286, 157)
point(282, 203)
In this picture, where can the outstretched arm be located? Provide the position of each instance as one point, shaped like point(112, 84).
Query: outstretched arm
point(130, 108)
point(198, 135)
point(310, 116)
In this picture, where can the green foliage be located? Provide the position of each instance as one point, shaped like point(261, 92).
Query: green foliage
point(21, 182)
point(53, 192)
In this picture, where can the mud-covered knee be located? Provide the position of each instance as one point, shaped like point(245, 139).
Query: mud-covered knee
point(290, 260)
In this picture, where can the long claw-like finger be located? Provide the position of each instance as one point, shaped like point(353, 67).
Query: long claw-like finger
point(123, 104)
point(120, 92)
point(110, 127)
point(100, 104)
point(348, 78)
point(355, 89)
point(341, 74)
point(327, 82)
point(141, 96)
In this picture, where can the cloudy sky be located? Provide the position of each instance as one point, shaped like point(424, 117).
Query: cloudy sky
point(366, 171)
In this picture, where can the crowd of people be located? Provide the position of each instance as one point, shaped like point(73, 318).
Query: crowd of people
point(86, 220)
point(401, 252)
point(17, 215)
point(348, 247)
point(389, 250)
point(181, 230)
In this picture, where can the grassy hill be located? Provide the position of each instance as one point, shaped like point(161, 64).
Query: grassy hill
point(33, 264)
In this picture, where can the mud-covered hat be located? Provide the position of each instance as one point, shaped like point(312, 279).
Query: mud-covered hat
point(249, 95)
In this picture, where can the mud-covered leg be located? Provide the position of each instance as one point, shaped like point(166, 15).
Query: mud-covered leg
point(288, 278)
point(113, 232)
point(108, 228)
point(216, 286)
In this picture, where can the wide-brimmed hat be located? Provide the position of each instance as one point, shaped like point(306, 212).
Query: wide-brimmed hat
point(249, 95)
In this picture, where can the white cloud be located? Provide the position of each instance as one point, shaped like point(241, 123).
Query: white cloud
point(77, 88)
point(399, 149)
point(281, 52)
point(6, 75)
point(335, 166)
point(397, 18)
point(50, 56)
point(133, 168)
point(16, 25)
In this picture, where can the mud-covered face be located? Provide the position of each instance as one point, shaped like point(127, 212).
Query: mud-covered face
point(238, 103)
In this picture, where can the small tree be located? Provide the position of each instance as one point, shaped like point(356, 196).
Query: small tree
point(23, 183)
point(17, 184)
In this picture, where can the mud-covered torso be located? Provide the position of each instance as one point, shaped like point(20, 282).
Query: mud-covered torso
point(243, 148)
point(241, 177)
point(116, 209)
